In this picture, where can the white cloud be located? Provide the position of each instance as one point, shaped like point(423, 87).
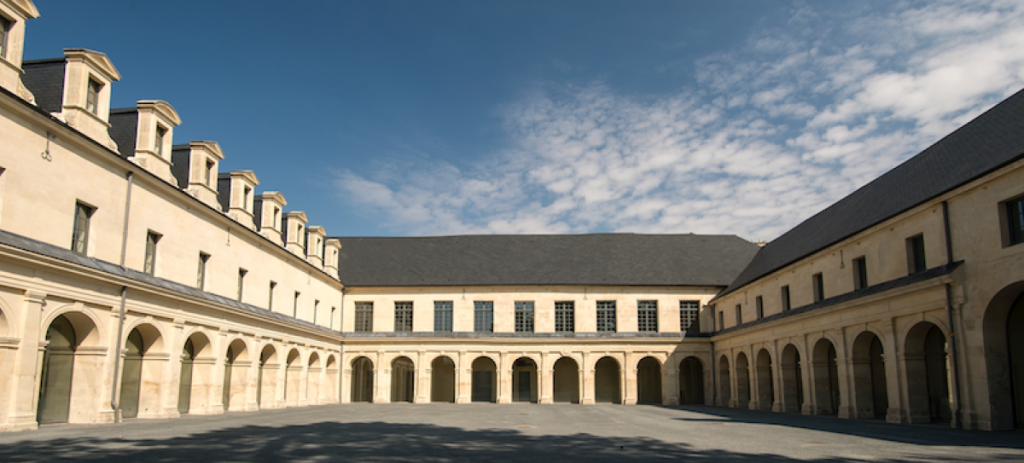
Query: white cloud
point(772, 132)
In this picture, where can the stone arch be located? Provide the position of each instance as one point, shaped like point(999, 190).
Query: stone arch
point(524, 379)
point(566, 380)
point(724, 381)
point(691, 381)
point(442, 379)
point(484, 380)
point(266, 377)
point(236, 369)
point(870, 396)
point(765, 374)
point(87, 326)
point(313, 370)
point(141, 372)
point(1004, 357)
point(292, 377)
point(742, 380)
point(403, 379)
point(331, 373)
point(607, 380)
point(825, 370)
point(928, 399)
point(791, 369)
point(195, 380)
point(362, 380)
point(648, 381)
point(8, 321)
point(71, 370)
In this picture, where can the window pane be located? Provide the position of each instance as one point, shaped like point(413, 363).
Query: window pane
point(524, 317)
point(80, 233)
point(364, 317)
point(565, 316)
point(483, 316)
point(688, 313)
point(647, 316)
point(606, 316)
point(1015, 220)
point(443, 316)
point(403, 316)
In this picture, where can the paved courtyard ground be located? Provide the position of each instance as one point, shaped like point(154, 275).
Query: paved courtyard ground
point(487, 432)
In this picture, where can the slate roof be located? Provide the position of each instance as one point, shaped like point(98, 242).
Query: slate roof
point(989, 142)
point(597, 259)
point(45, 79)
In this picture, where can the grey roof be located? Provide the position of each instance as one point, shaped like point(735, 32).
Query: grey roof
point(49, 250)
point(599, 259)
point(124, 126)
point(45, 79)
point(987, 143)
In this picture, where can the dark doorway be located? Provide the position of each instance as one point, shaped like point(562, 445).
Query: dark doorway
point(58, 369)
point(691, 381)
point(606, 381)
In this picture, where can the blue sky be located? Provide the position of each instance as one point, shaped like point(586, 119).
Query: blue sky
point(438, 118)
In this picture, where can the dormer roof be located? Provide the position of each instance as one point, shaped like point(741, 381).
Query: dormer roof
point(162, 108)
point(98, 60)
point(211, 146)
point(25, 7)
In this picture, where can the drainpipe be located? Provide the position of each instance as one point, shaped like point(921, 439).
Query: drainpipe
point(114, 405)
point(713, 368)
point(952, 330)
point(341, 355)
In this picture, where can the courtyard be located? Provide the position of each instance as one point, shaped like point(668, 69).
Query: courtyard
point(488, 432)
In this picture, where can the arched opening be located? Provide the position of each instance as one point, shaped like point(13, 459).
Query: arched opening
point(691, 381)
point(442, 380)
point(58, 369)
point(566, 381)
point(765, 380)
point(870, 395)
point(1004, 357)
point(484, 388)
point(313, 379)
point(607, 380)
point(140, 376)
point(195, 376)
point(792, 380)
point(927, 375)
point(724, 382)
point(742, 381)
point(233, 391)
point(403, 380)
point(292, 378)
point(331, 373)
point(524, 380)
point(362, 380)
point(266, 383)
point(648, 381)
point(826, 377)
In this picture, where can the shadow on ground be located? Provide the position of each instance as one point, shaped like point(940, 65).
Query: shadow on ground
point(926, 435)
point(331, 441)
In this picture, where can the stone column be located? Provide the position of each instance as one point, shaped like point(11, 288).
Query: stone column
point(504, 379)
point(628, 384)
point(545, 376)
point(670, 383)
point(345, 385)
point(423, 374)
point(463, 379)
point(844, 367)
point(382, 381)
point(894, 385)
point(172, 369)
point(807, 369)
point(27, 364)
point(252, 379)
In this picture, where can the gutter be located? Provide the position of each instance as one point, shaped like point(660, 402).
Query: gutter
point(114, 405)
point(957, 423)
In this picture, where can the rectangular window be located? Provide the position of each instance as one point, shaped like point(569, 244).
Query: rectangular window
point(270, 296)
point(565, 316)
point(721, 320)
point(483, 316)
point(5, 30)
point(149, 266)
point(92, 96)
point(316, 308)
point(915, 255)
point(739, 314)
point(606, 316)
point(208, 174)
point(80, 233)
point(647, 316)
point(295, 305)
point(759, 305)
point(860, 273)
point(403, 316)
point(201, 272)
point(241, 283)
point(818, 285)
point(334, 311)
point(524, 317)
point(785, 298)
point(1015, 221)
point(689, 316)
point(443, 316)
point(364, 317)
point(158, 147)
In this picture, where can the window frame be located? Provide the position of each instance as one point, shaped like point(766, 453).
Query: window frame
point(208, 176)
point(80, 228)
point(1012, 235)
point(483, 316)
point(6, 25)
point(759, 307)
point(241, 282)
point(647, 317)
point(270, 295)
point(92, 95)
point(149, 259)
point(158, 140)
point(688, 323)
point(818, 286)
point(524, 313)
point(565, 316)
point(739, 314)
point(784, 295)
point(443, 311)
point(363, 317)
point(295, 305)
point(204, 258)
point(860, 273)
point(916, 257)
point(403, 316)
point(607, 317)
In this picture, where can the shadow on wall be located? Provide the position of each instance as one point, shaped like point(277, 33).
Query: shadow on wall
point(926, 435)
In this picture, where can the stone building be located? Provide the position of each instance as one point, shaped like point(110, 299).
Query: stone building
point(150, 285)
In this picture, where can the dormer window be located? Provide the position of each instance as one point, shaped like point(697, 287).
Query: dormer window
point(276, 223)
point(92, 96)
point(208, 175)
point(5, 30)
point(245, 197)
point(159, 141)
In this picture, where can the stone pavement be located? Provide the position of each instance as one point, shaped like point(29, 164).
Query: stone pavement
point(520, 432)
